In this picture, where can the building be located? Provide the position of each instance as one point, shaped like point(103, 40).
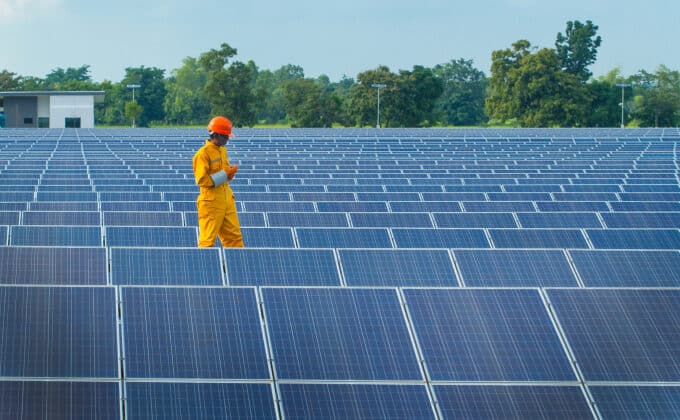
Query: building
point(50, 109)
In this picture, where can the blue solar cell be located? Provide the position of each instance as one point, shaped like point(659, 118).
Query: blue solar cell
point(352, 206)
point(512, 402)
point(160, 206)
point(343, 238)
point(282, 206)
point(563, 220)
point(255, 237)
point(3, 235)
point(637, 402)
point(518, 196)
point(75, 218)
point(67, 266)
point(355, 401)
point(657, 220)
point(513, 268)
point(487, 335)
point(649, 197)
point(308, 219)
point(338, 334)
point(397, 267)
point(172, 400)
point(585, 196)
point(160, 266)
point(538, 238)
point(210, 333)
point(284, 267)
point(87, 206)
point(8, 196)
point(622, 334)
point(151, 236)
point(67, 332)
point(56, 235)
point(130, 196)
point(440, 238)
point(474, 220)
point(13, 206)
point(497, 206)
point(645, 206)
point(452, 196)
point(387, 196)
point(414, 220)
point(59, 399)
point(147, 218)
point(9, 217)
point(566, 206)
point(64, 196)
point(634, 239)
point(424, 206)
point(628, 268)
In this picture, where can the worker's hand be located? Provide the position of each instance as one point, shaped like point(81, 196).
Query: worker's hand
point(231, 171)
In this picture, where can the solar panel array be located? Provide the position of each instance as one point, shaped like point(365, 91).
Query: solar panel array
point(388, 273)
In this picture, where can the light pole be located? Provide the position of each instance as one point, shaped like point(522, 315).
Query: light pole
point(622, 86)
point(378, 86)
point(133, 87)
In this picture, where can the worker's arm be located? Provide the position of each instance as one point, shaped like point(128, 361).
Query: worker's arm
point(201, 171)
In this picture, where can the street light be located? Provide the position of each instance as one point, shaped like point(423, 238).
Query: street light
point(378, 86)
point(622, 86)
point(133, 87)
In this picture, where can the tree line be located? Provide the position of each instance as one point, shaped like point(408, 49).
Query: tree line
point(528, 87)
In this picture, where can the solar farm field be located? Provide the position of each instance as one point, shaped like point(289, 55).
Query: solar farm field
point(387, 273)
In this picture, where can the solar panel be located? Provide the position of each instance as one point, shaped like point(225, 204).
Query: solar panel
point(487, 335)
point(173, 400)
point(634, 238)
point(537, 238)
point(339, 334)
point(355, 401)
point(55, 235)
point(284, 267)
point(352, 206)
point(209, 333)
point(254, 237)
point(61, 399)
point(81, 218)
point(637, 402)
point(628, 268)
point(161, 266)
point(415, 220)
point(497, 206)
point(560, 220)
point(146, 218)
point(597, 322)
point(64, 196)
point(512, 402)
point(151, 236)
point(474, 220)
point(514, 268)
point(3, 235)
point(343, 238)
point(67, 332)
point(307, 219)
point(66, 266)
point(9, 217)
point(440, 238)
point(397, 267)
point(425, 206)
point(657, 220)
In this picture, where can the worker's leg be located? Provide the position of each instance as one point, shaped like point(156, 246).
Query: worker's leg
point(209, 224)
point(230, 232)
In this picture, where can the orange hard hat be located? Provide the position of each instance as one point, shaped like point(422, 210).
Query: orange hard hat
point(220, 125)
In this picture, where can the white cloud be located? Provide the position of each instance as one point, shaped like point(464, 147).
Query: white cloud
point(11, 10)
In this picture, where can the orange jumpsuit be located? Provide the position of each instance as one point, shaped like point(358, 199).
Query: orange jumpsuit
point(216, 204)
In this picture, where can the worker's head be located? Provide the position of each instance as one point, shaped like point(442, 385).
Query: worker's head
point(220, 130)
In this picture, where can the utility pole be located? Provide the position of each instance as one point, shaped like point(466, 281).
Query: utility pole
point(133, 87)
point(622, 86)
point(378, 86)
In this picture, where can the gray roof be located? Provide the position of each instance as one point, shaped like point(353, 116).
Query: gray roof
point(52, 92)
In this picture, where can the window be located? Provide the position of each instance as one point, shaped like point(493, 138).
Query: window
point(28, 120)
point(72, 122)
point(43, 122)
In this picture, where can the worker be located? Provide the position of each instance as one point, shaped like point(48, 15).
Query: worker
point(216, 203)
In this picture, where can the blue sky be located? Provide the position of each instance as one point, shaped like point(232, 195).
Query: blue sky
point(335, 38)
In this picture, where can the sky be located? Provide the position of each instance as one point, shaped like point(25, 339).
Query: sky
point(335, 38)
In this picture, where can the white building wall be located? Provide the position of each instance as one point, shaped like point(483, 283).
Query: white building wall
point(71, 106)
point(43, 106)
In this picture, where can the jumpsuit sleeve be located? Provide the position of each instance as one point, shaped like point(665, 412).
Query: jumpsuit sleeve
point(201, 171)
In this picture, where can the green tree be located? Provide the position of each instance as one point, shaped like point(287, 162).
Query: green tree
point(186, 102)
point(151, 93)
point(9, 81)
point(659, 105)
point(309, 104)
point(464, 90)
point(416, 96)
point(577, 48)
point(534, 89)
point(363, 99)
point(71, 78)
point(132, 111)
point(604, 109)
